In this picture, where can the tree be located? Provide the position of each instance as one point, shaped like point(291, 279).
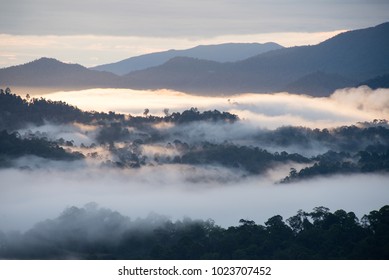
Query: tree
point(299, 222)
point(146, 112)
point(276, 226)
point(320, 216)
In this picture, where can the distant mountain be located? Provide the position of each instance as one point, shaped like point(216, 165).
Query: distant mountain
point(179, 73)
point(351, 56)
point(51, 73)
point(322, 84)
point(348, 59)
point(229, 52)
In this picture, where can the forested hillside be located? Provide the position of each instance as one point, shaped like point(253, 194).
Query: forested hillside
point(360, 148)
point(86, 233)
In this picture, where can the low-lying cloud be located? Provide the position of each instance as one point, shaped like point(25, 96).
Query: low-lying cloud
point(35, 189)
point(77, 133)
point(344, 107)
point(29, 196)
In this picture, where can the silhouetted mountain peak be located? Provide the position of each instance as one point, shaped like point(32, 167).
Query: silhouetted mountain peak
point(228, 52)
point(52, 73)
point(52, 62)
point(344, 60)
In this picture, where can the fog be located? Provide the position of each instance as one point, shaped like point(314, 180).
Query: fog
point(36, 189)
point(30, 196)
point(258, 113)
point(344, 107)
point(78, 133)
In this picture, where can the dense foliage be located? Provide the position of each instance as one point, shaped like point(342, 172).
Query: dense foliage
point(87, 233)
point(252, 159)
point(16, 113)
point(187, 138)
point(13, 146)
point(370, 160)
point(353, 138)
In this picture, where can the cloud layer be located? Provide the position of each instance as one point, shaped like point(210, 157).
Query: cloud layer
point(344, 107)
point(170, 191)
point(37, 189)
point(174, 18)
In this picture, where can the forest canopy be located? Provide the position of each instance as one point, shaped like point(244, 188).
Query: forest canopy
point(191, 138)
point(86, 233)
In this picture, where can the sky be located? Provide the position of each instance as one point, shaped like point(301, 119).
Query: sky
point(93, 32)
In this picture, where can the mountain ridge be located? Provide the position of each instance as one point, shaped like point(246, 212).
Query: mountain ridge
point(227, 52)
point(52, 73)
point(356, 55)
point(348, 59)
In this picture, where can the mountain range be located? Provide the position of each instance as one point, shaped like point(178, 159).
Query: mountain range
point(348, 59)
point(50, 73)
point(229, 52)
point(345, 60)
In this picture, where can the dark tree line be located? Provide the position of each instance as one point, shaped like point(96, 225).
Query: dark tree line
point(373, 159)
point(16, 112)
point(351, 149)
point(82, 233)
point(13, 146)
point(351, 138)
point(254, 160)
point(247, 158)
point(251, 159)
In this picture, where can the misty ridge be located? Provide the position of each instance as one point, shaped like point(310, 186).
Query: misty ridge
point(215, 152)
point(219, 163)
point(55, 130)
point(91, 232)
point(243, 157)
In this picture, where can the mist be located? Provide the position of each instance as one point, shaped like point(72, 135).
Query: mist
point(177, 192)
point(224, 188)
point(259, 115)
point(343, 107)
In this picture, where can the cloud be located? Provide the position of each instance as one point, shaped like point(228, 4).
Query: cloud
point(363, 99)
point(172, 18)
point(95, 32)
point(80, 134)
point(202, 192)
point(256, 110)
point(169, 191)
point(260, 117)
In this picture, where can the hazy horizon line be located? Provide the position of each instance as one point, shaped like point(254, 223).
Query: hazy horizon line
point(94, 50)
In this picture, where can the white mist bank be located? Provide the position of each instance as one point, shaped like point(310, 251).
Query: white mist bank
point(32, 196)
point(28, 196)
point(344, 107)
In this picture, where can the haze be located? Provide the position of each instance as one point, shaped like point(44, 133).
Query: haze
point(96, 32)
point(171, 191)
point(346, 106)
point(182, 190)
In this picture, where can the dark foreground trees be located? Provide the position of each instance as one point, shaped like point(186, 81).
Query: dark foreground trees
point(95, 233)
